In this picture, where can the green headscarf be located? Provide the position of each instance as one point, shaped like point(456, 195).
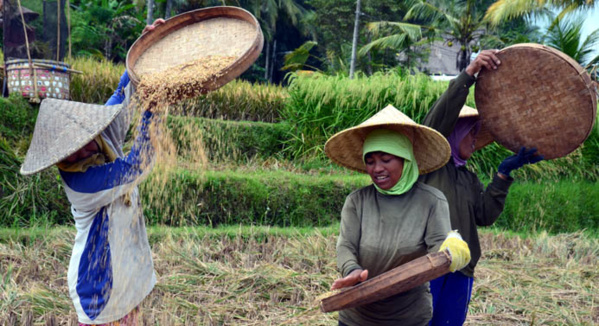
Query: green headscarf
point(391, 142)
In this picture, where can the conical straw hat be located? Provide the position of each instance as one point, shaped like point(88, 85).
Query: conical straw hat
point(484, 137)
point(431, 149)
point(62, 128)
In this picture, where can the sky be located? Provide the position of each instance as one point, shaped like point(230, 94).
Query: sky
point(591, 23)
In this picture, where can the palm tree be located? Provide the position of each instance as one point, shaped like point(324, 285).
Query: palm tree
point(400, 36)
point(566, 36)
point(458, 21)
point(503, 10)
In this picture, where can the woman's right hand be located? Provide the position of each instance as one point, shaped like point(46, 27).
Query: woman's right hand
point(487, 59)
point(353, 278)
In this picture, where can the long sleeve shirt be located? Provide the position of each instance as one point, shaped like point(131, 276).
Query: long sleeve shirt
point(111, 268)
point(380, 232)
point(470, 204)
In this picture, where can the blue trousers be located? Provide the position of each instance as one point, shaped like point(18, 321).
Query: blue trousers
point(451, 297)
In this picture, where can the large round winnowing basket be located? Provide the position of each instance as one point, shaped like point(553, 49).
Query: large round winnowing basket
point(538, 97)
point(215, 31)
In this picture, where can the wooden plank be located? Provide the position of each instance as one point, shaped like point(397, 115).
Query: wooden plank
point(397, 280)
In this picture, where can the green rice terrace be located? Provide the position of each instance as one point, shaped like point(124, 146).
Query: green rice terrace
point(243, 228)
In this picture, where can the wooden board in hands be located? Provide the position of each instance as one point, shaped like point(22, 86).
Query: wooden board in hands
point(397, 280)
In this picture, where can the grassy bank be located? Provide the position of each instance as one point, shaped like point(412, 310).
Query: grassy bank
point(280, 198)
point(272, 276)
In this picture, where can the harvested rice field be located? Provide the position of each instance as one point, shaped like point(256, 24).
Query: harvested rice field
point(268, 276)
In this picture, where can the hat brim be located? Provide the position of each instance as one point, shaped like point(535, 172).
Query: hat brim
point(484, 136)
point(431, 149)
point(62, 128)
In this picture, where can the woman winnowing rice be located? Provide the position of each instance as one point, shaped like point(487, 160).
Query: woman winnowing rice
point(394, 220)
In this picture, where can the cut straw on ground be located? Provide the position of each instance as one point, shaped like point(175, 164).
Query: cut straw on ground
point(274, 276)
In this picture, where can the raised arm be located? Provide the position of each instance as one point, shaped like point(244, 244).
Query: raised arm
point(444, 113)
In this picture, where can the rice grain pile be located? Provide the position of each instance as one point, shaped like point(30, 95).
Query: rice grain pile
point(186, 80)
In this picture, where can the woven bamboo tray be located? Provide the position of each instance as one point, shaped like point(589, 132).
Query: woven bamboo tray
point(215, 31)
point(397, 280)
point(538, 97)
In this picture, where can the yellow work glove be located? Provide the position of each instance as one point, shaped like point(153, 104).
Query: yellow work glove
point(458, 250)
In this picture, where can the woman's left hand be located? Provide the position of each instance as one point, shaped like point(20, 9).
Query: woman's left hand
point(353, 278)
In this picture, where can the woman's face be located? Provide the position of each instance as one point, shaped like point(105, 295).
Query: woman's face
point(86, 151)
point(468, 144)
point(384, 169)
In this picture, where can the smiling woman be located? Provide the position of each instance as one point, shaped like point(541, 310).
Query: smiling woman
point(396, 219)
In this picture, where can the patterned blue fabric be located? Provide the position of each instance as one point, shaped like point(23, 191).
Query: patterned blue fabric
point(94, 282)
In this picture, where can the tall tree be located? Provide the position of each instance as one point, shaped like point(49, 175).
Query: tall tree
point(517, 30)
point(458, 21)
point(102, 28)
point(150, 17)
point(352, 65)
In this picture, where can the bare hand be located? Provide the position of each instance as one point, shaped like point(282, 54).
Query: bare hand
point(485, 58)
point(351, 279)
point(149, 28)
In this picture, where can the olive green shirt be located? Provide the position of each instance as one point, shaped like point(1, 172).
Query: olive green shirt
point(380, 232)
point(470, 205)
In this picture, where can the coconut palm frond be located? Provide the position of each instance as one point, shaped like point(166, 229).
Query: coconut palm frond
point(422, 10)
point(503, 10)
point(414, 31)
point(588, 47)
point(300, 55)
point(396, 41)
point(566, 36)
point(293, 9)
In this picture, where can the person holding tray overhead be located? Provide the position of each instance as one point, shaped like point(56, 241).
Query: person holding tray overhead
point(470, 204)
point(394, 220)
point(111, 269)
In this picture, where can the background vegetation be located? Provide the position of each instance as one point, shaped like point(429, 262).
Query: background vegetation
point(263, 163)
point(390, 33)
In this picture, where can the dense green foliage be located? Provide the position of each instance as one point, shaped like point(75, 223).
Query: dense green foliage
point(320, 106)
point(274, 173)
point(554, 206)
point(24, 200)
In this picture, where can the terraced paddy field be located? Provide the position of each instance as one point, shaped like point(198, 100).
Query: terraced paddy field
point(275, 276)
